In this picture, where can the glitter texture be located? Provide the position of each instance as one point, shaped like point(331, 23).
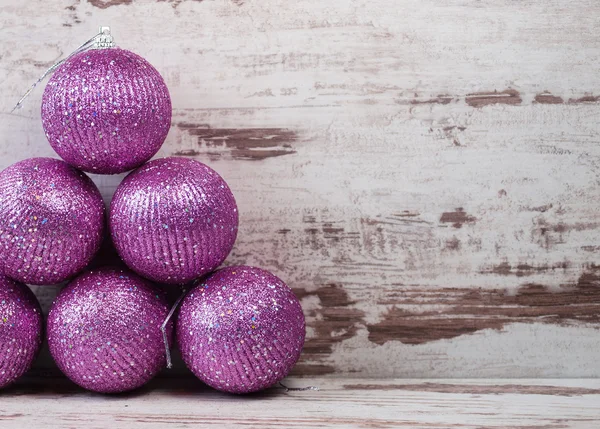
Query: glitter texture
point(20, 330)
point(173, 220)
point(106, 111)
point(51, 221)
point(104, 330)
point(241, 330)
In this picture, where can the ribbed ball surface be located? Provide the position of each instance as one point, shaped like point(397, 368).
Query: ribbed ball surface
point(240, 331)
point(51, 221)
point(106, 111)
point(21, 327)
point(173, 220)
point(104, 330)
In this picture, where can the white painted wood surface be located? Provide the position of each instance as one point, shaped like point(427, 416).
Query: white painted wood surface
point(424, 174)
point(349, 403)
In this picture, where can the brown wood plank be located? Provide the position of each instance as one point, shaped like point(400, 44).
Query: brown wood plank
point(351, 403)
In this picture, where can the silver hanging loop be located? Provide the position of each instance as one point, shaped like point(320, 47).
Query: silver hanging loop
point(103, 39)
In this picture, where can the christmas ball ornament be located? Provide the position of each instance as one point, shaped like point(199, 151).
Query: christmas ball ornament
point(106, 111)
point(20, 330)
point(173, 220)
point(51, 221)
point(104, 330)
point(241, 330)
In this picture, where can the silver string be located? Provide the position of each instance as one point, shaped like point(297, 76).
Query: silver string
point(163, 327)
point(84, 47)
point(298, 389)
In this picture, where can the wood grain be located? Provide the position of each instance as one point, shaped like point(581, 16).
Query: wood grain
point(351, 403)
point(424, 174)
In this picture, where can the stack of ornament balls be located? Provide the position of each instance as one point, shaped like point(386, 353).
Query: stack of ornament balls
point(172, 221)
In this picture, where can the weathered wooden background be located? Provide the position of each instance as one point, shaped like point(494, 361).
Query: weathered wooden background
point(425, 174)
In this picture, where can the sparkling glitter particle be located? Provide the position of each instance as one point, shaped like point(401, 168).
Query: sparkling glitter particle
point(104, 330)
point(150, 220)
point(106, 111)
point(51, 221)
point(245, 344)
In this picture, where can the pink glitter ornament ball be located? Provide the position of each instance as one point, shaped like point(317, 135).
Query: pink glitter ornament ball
point(241, 330)
point(20, 330)
point(104, 330)
point(51, 221)
point(106, 111)
point(173, 220)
